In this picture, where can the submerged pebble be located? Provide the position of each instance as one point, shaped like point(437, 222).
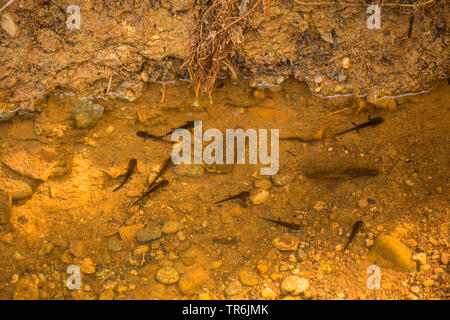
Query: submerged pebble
point(87, 114)
point(191, 281)
point(260, 197)
point(234, 288)
point(114, 244)
point(170, 227)
point(189, 256)
point(389, 252)
point(345, 63)
point(148, 234)
point(294, 285)
point(248, 278)
point(7, 23)
point(188, 170)
point(167, 275)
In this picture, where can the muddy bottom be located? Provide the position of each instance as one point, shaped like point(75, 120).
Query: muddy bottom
point(59, 208)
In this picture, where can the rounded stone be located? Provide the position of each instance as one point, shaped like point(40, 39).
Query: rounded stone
point(345, 63)
point(189, 257)
point(302, 255)
point(114, 244)
point(87, 114)
point(170, 227)
point(234, 288)
point(87, 266)
point(188, 170)
point(362, 203)
point(148, 234)
point(248, 278)
point(389, 252)
point(268, 293)
point(167, 275)
point(191, 281)
point(260, 197)
point(294, 285)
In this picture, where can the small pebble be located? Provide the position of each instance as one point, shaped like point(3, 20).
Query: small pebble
point(363, 203)
point(86, 266)
point(7, 23)
point(268, 293)
point(167, 275)
point(318, 78)
point(280, 180)
point(87, 114)
point(181, 236)
point(234, 288)
point(444, 258)
point(260, 197)
point(295, 285)
point(301, 255)
point(114, 244)
point(262, 268)
point(320, 205)
point(170, 227)
point(14, 278)
point(259, 94)
point(415, 289)
point(18, 256)
point(148, 234)
point(420, 257)
point(248, 278)
point(409, 183)
point(189, 256)
point(345, 63)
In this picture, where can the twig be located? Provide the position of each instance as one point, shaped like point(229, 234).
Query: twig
point(7, 5)
point(240, 18)
point(337, 111)
point(109, 84)
point(163, 93)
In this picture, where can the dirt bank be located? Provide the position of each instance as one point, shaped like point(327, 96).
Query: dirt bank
point(130, 43)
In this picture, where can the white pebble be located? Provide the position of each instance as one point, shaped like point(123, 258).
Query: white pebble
point(294, 285)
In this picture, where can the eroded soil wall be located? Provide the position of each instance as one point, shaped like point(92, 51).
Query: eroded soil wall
point(328, 46)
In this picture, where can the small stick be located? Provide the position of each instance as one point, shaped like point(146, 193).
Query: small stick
point(163, 93)
point(245, 15)
point(336, 112)
point(109, 84)
point(7, 5)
